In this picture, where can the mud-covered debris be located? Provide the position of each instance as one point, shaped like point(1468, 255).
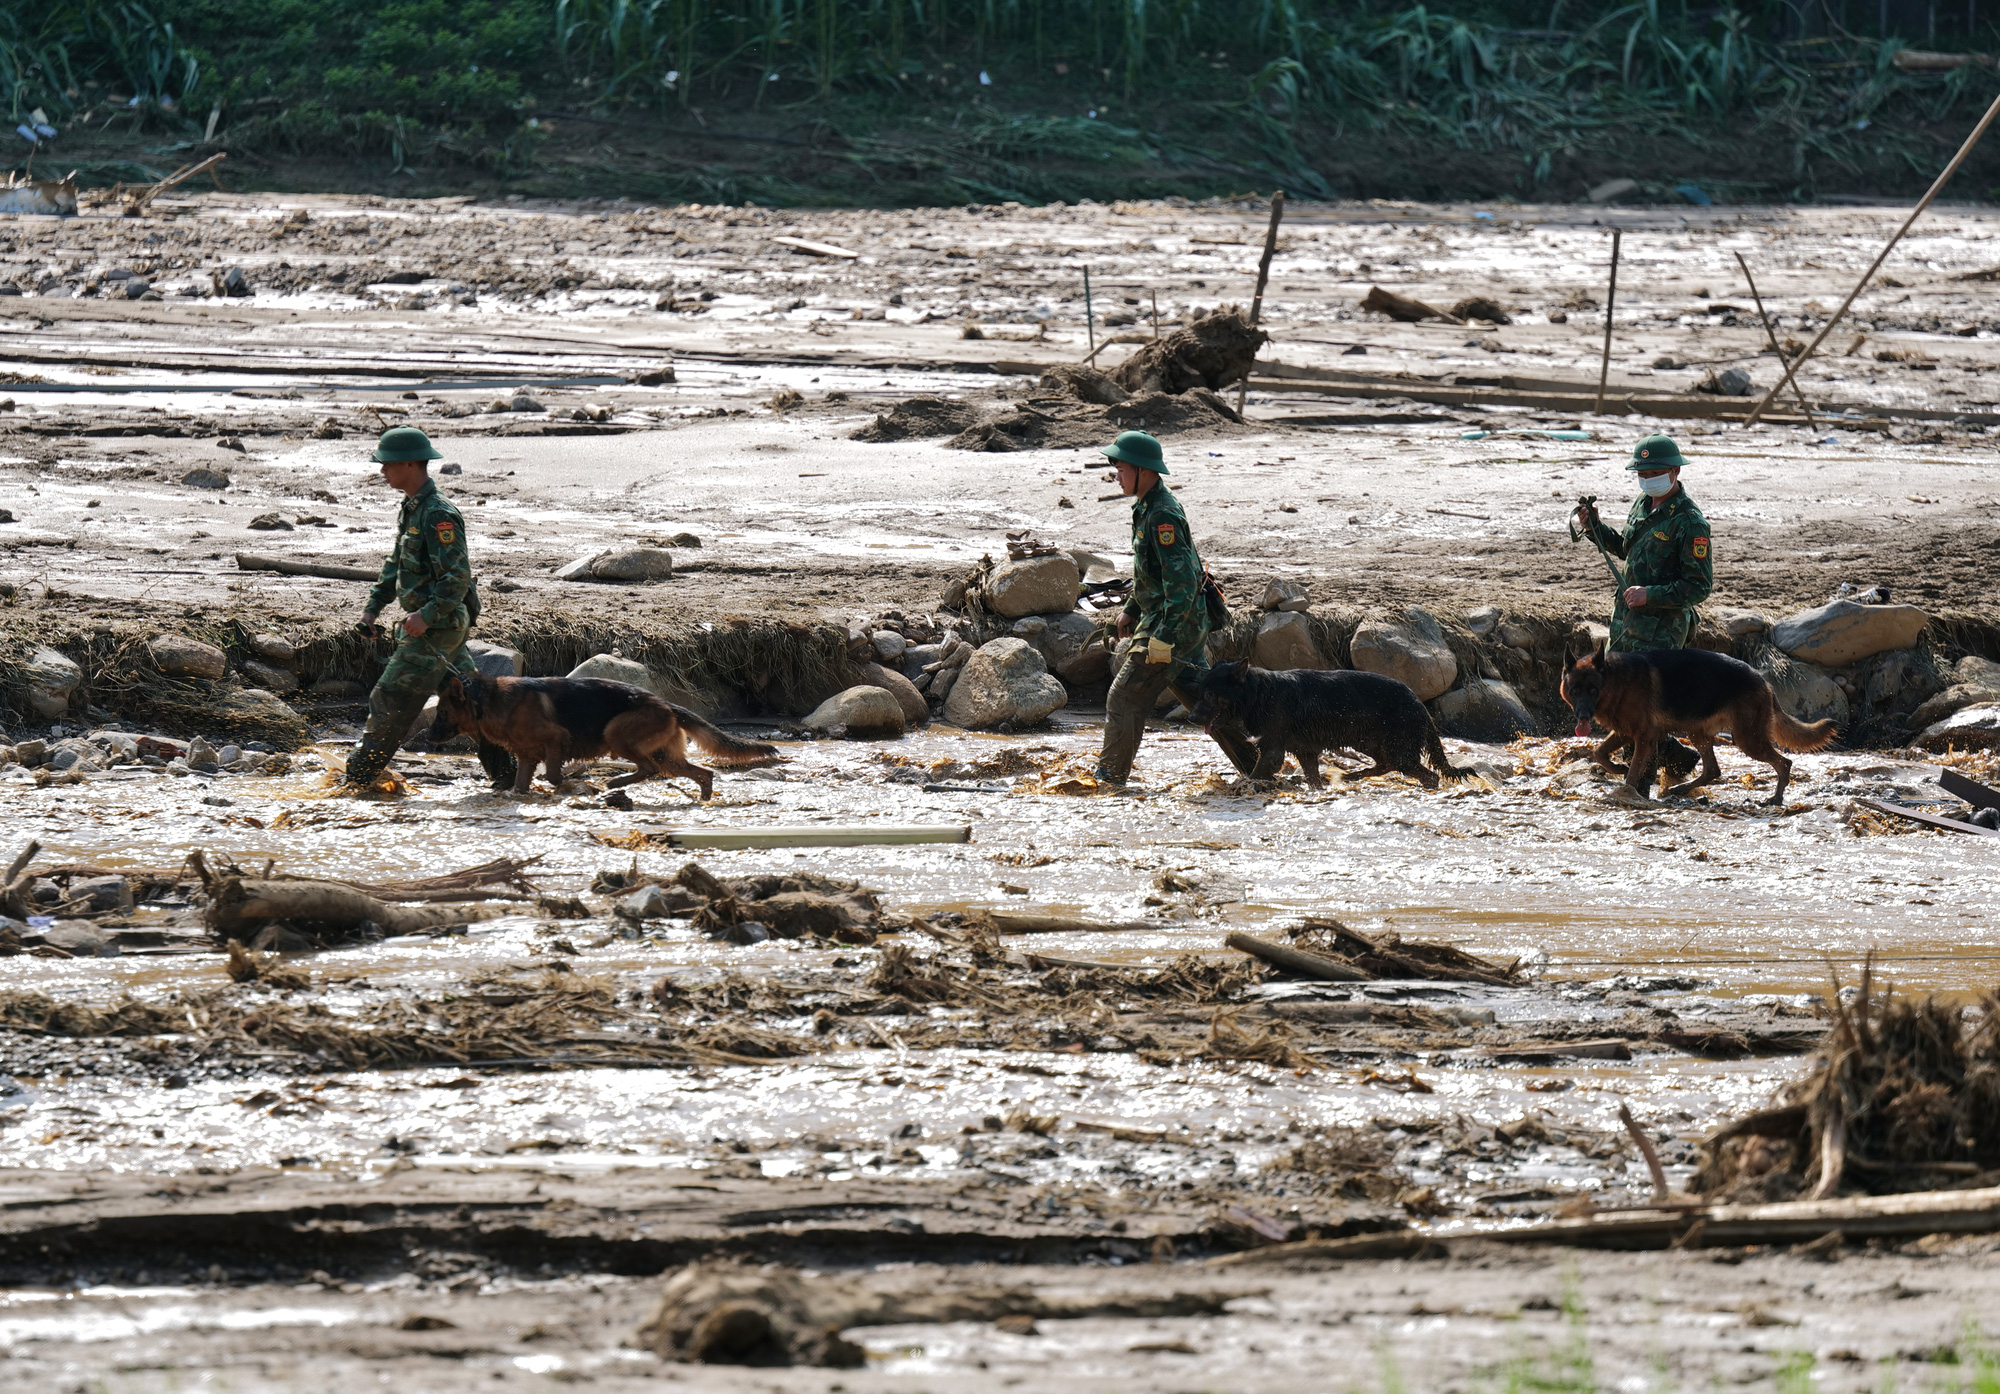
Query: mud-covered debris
point(920, 418)
point(1215, 351)
point(1389, 955)
point(1083, 384)
point(1481, 307)
point(1904, 1096)
point(1401, 307)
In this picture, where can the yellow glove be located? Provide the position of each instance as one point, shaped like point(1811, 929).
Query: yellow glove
point(1157, 652)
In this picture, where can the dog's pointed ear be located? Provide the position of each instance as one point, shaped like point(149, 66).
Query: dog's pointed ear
point(1597, 654)
point(454, 686)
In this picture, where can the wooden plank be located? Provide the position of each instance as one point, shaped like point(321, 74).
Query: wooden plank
point(818, 249)
point(1607, 1048)
point(1930, 820)
point(1063, 924)
point(254, 561)
point(886, 834)
point(1971, 790)
point(1907, 1215)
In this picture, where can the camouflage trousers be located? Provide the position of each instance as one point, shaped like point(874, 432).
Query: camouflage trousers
point(1135, 691)
point(1649, 628)
point(415, 672)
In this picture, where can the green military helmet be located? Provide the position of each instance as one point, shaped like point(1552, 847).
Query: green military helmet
point(404, 445)
point(1656, 453)
point(1138, 450)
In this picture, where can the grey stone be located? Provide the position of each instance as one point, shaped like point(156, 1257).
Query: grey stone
point(861, 712)
point(943, 681)
point(51, 679)
point(1484, 709)
point(1736, 622)
point(1806, 691)
point(272, 648)
point(102, 894)
point(1286, 595)
point(1972, 728)
point(80, 939)
point(1093, 566)
point(625, 564)
point(1075, 650)
point(1005, 680)
point(254, 706)
point(918, 657)
point(31, 753)
point(1411, 649)
point(1974, 669)
point(646, 903)
point(496, 660)
point(615, 669)
point(1733, 382)
point(205, 478)
point(916, 711)
point(178, 656)
point(1515, 635)
point(1033, 586)
point(342, 688)
point(1842, 632)
point(270, 676)
point(888, 644)
point(1483, 620)
point(1031, 628)
point(229, 755)
point(200, 752)
point(1285, 641)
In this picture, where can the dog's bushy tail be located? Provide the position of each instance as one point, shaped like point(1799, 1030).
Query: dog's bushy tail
point(723, 747)
point(1797, 736)
point(1434, 748)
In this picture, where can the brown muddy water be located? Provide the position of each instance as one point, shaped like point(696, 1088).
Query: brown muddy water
point(1704, 910)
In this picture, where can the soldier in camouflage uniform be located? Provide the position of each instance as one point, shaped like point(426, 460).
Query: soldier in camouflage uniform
point(1167, 616)
point(1669, 568)
point(1665, 548)
point(428, 574)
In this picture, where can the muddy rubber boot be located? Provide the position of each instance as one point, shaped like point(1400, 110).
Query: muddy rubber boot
point(390, 717)
point(498, 764)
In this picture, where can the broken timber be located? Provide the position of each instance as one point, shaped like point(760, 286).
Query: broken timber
point(1971, 790)
point(1570, 398)
point(1928, 819)
point(254, 561)
point(1693, 1225)
point(1308, 965)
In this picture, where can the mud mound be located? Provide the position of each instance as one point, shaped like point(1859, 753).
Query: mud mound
point(1905, 1096)
point(1215, 351)
point(1047, 424)
point(919, 418)
point(1073, 380)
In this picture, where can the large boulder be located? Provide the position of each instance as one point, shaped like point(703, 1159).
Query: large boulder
point(269, 676)
point(1005, 680)
point(1806, 691)
point(255, 708)
point(1033, 586)
point(1974, 728)
point(178, 656)
point(1411, 650)
point(274, 649)
point(915, 709)
point(496, 660)
point(1976, 682)
point(1484, 709)
point(1842, 632)
point(1285, 595)
point(1284, 641)
point(620, 564)
point(861, 712)
point(614, 668)
point(1075, 650)
point(51, 678)
point(1737, 622)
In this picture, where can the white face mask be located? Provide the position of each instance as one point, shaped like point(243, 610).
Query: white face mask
point(1657, 486)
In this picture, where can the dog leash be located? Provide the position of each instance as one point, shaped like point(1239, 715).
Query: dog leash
point(1589, 501)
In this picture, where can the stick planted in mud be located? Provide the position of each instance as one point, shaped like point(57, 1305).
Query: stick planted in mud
point(1263, 279)
point(1610, 300)
point(1771, 333)
point(1876, 265)
point(1646, 1150)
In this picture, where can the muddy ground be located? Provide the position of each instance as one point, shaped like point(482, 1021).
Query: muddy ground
point(1037, 1112)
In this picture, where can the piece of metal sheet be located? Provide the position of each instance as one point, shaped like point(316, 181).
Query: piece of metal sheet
point(1971, 790)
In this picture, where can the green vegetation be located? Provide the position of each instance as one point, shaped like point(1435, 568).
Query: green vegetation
point(1030, 99)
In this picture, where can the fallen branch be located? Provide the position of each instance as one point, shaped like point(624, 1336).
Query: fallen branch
point(1661, 1191)
point(257, 561)
point(1401, 307)
point(1060, 924)
point(1908, 1215)
point(14, 886)
point(1298, 961)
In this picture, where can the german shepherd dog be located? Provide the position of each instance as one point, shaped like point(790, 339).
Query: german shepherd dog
point(550, 721)
point(1305, 713)
point(1640, 697)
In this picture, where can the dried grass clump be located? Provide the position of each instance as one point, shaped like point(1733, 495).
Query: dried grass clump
point(1904, 1096)
point(1270, 1046)
point(1348, 1162)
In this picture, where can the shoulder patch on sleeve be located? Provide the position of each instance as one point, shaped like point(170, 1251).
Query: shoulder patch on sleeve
point(447, 530)
point(1699, 549)
point(1167, 533)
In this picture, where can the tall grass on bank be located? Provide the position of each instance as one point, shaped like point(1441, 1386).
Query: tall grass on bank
point(468, 79)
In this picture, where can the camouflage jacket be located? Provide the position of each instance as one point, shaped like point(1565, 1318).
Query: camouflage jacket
point(1666, 550)
point(1166, 601)
point(428, 571)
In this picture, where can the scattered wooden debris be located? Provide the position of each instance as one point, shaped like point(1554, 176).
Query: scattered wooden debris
point(818, 249)
point(1401, 307)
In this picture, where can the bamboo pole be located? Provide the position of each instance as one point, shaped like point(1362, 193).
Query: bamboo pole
point(1771, 333)
point(1610, 300)
point(1089, 315)
point(1263, 278)
point(1936, 188)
